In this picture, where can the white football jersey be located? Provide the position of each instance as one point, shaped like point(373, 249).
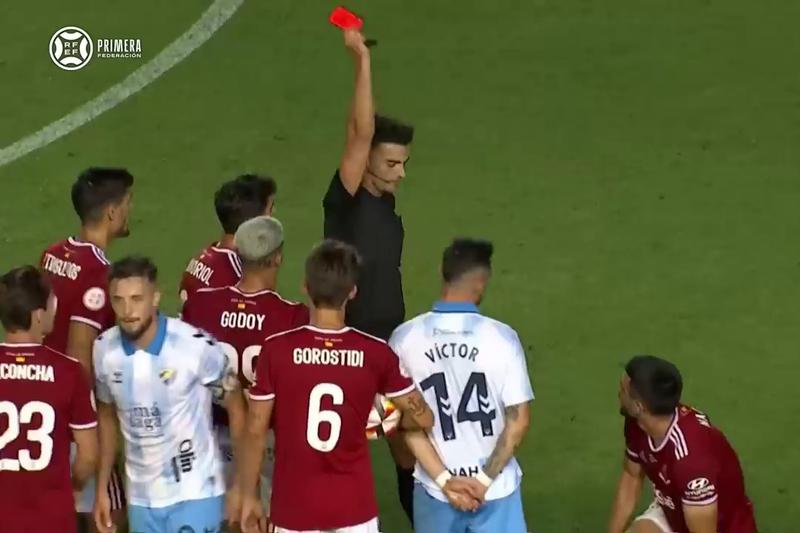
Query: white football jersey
point(163, 400)
point(469, 368)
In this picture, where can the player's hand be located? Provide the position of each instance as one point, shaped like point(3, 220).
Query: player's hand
point(354, 42)
point(253, 519)
point(464, 493)
point(233, 505)
point(102, 513)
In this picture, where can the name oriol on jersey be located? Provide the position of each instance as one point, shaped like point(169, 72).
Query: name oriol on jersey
point(60, 267)
point(27, 372)
point(200, 270)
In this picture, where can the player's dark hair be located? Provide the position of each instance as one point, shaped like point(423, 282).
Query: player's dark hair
point(655, 382)
point(133, 266)
point(389, 130)
point(331, 273)
point(464, 256)
point(97, 188)
point(241, 199)
point(23, 290)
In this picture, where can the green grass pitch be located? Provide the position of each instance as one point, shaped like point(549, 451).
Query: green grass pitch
point(635, 162)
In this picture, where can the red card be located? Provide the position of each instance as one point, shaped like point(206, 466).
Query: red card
point(345, 19)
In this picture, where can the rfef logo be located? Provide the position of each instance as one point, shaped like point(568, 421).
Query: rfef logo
point(71, 48)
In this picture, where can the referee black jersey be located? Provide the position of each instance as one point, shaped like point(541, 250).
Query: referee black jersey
point(371, 225)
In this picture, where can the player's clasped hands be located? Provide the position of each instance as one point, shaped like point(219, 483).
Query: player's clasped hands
point(253, 519)
point(102, 513)
point(465, 493)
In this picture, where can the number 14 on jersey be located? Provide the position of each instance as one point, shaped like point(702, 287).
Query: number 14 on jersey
point(475, 387)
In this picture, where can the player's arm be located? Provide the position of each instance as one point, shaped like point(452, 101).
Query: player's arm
point(416, 413)
point(361, 119)
point(518, 419)
point(218, 373)
point(107, 429)
point(701, 518)
point(236, 406)
point(629, 488)
point(83, 467)
point(463, 493)
point(516, 395)
point(80, 341)
point(254, 440)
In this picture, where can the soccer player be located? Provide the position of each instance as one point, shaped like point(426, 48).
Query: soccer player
point(156, 376)
point(237, 200)
point(696, 476)
point(473, 369)
point(46, 403)
point(359, 208)
point(241, 316)
point(78, 272)
point(320, 381)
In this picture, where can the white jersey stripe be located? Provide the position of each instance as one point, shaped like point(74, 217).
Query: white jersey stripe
point(89, 321)
point(682, 439)
point(707, 501)
point(84, 426)
point(401, 392)
point(261, 397)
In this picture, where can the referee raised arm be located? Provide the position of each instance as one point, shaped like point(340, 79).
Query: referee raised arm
point(360, 209)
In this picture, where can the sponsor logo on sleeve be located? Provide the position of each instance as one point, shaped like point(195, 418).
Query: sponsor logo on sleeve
point(700, 489)
point(94, 298)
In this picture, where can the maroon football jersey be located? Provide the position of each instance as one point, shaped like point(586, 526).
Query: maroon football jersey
point(78, 272)
point(45, 395)
point(694, 465)
point(213, 267)
point(324, 383)
point(241, 321)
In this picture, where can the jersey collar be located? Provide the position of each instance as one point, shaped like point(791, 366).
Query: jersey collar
point(154, 348)
point(455, 307)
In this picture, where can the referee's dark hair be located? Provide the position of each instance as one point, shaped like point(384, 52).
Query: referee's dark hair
point(464, 256)
point(655, 382)
point(389, 130)
point(241, 199)
point(134, 266)
point(23, 290)
point(331, 273)
point(97, 188)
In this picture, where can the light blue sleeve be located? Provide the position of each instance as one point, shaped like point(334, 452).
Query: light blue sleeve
point(216, 370)
point(517, 386)
point(102, 390)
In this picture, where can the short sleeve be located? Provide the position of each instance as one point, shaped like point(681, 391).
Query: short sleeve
point(214, 364)
point(394, 380)
point(262, 388)
point(92, 305)
point(630, 445)
point(336, 206)
point(102, 389)
point(696, 476)
point(83, 410)
point(517, 387)
point(187, 311)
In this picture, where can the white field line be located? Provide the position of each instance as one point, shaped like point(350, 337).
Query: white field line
point(202, 30)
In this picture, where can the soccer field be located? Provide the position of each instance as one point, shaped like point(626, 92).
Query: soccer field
point(636, 164)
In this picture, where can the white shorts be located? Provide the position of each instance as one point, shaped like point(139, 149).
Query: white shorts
point(367, 527)
point(267, 465)
point(655, 514)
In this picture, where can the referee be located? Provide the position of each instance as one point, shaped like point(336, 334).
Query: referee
point(359, 209)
